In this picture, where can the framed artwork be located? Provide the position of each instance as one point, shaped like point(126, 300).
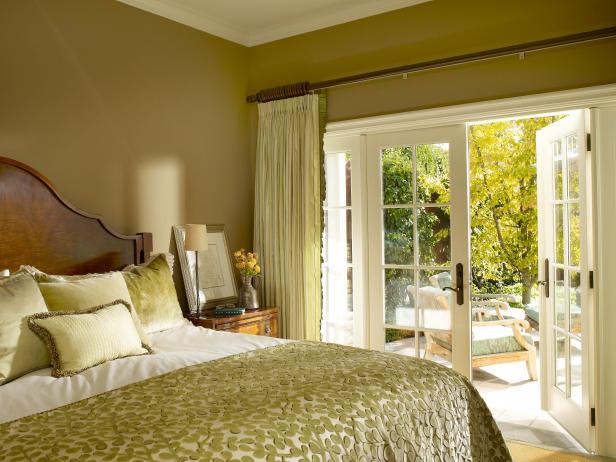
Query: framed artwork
point(217, 281)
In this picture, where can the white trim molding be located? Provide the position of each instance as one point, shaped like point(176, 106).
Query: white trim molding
point(520, 106)
point(297, 23)
point(189, 17)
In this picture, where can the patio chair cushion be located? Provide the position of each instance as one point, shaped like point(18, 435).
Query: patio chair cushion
point(488, 340)
point(532, 311)
point(511, 313)
point(440, 280)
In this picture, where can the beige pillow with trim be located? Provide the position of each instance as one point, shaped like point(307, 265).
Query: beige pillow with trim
point(88, 291)
point(79, 340)
point(20, 350)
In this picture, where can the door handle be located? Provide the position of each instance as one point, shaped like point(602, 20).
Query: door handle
point(546, 274)
point(459, 288)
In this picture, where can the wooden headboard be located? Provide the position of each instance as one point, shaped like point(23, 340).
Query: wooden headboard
point(39, 228)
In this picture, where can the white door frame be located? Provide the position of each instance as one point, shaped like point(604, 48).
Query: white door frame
point(352, 133)
point(459, 229)
point(574, 417)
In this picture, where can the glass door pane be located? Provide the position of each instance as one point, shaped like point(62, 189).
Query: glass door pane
point(337, 251)
point(413, 220)
point(416, 245)
point(561, 169)
point(567, 304)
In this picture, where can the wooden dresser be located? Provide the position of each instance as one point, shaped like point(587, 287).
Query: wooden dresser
point(263, 321)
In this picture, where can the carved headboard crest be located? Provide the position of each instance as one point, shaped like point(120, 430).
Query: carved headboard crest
point(39, 228)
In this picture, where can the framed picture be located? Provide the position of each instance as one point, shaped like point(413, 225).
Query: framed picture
point(217, 281)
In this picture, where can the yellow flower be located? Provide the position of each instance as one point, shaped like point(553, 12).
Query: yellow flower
point(240, 266)
point(249, 255)
point(251, 264)
point(257, 269)
point(237, 254)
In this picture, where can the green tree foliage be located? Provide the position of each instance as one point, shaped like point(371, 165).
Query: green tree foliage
point(504, 203)
point(401, 190)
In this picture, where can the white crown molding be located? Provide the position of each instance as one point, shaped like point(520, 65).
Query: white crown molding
point(520, 106)
point(330, 18)
point(191, 18)
point(249, 38)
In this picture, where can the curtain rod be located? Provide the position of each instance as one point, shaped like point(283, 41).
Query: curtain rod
point(302, 88)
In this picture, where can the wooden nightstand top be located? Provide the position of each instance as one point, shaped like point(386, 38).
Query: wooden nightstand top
point(209, 316)
point(262, 321)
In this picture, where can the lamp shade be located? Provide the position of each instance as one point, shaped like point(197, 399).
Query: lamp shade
point(195, 237)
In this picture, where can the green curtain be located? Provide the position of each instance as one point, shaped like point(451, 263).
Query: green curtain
point(287, 228)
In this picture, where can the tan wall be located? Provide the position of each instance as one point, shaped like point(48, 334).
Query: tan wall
point(132, 116)
point(437, 29)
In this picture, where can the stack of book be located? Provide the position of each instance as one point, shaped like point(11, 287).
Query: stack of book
point(234, 311)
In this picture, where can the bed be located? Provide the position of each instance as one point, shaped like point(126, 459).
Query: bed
point(206, 395)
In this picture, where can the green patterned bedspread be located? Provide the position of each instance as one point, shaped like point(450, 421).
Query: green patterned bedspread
point(298, 401)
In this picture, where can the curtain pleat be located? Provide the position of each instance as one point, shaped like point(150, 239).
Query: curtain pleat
point(287, 228)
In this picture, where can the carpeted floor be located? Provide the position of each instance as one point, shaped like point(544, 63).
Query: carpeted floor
point(526, 453)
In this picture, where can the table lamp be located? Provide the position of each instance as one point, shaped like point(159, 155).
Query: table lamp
point(195, 239)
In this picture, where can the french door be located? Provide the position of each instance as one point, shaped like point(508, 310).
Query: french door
point(565, 268)
point(418, 238)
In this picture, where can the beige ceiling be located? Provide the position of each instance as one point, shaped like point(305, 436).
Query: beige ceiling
point(252, 22)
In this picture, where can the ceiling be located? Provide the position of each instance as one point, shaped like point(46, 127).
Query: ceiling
point(253, 22)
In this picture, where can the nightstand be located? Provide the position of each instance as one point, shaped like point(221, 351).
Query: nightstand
point(262, 321)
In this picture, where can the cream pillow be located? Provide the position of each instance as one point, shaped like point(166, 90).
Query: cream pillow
point(20, 350)
point(82, 293)
point(79, 340)
point(5, 273)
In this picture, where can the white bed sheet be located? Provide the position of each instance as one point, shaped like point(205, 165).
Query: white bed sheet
point(173, 349)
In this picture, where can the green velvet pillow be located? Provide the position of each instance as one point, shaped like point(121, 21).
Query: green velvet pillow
point(153, 294)
point(20, 350)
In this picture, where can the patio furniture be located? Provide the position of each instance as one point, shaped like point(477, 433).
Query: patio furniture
point(575, 313)
point(493, 341)
point(496, 305)
point(532, 315)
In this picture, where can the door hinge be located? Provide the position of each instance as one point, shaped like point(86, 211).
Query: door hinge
point(588, 145)
point(591, 279)
point(592, 417)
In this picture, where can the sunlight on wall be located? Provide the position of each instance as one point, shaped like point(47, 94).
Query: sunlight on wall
point(159, 194)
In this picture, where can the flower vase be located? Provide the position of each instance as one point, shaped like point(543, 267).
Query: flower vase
point(248, 294)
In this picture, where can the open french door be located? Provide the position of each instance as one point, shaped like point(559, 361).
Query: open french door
point(419, 242)
point(565, 260)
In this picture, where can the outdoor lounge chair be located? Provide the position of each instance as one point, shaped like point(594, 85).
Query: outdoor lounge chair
point(493, 341)
point(496, 306)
